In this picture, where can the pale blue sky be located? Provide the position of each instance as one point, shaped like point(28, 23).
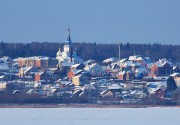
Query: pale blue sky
point(101, 21)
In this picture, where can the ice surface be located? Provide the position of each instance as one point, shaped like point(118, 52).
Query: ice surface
point(89, 116)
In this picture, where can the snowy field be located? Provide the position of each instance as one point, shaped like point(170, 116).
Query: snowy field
point(89, 116)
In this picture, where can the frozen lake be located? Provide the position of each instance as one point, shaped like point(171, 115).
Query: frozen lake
point(89, 116)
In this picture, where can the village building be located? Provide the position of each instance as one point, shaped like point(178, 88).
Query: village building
point(95, 69)
point(44, 77)
point(125, 75)
point(27, 71)
point(73, 73)
point(156, 89)
point(80, 80)
point(37, 61)
point(3, 85)
point(77, 67)
point(161, 68)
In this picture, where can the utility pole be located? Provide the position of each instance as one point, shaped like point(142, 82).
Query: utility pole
point(134, 53)
point(119, 54)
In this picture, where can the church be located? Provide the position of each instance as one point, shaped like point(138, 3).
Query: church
point(68, 56)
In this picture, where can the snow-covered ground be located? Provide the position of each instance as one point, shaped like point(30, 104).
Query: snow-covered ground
point(89, 116)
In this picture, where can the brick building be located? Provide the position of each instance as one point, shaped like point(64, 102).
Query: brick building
point(38, 61)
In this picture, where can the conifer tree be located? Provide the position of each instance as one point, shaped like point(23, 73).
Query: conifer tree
point(171, 84)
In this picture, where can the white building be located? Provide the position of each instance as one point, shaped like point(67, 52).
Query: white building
point(68, 54)
point(95, 69)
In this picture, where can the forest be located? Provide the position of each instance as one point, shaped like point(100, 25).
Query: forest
point(93, 51)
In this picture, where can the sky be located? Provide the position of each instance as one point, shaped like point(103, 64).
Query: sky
point(100, 21)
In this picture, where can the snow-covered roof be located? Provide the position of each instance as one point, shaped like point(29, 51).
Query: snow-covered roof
point(92, 65)
point(136, 58)
point(109, 60)
point(130, 63)
point(40, 73)
point(44, 58)
point(132, 58)
point(6, 59)
point(49, 72)
point(35, 58)
point(28, 69)
point(154, 86)
point(114, 86)
point(123, 60)
point(3, 65)
point(76, 71)
point(65, 82)
point(88, 86)
point(141, 70)
point(162, 62)
point(175, 74)
point(139, 58)
point(3, 76)
point(31, 91)
point(88, 67)
point(91, 61)
point(67, 64)
point(75, 65)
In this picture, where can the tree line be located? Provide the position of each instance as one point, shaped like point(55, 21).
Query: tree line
point(93, 51)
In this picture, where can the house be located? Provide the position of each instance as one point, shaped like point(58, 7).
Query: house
point(27, 71)
point(161, 68)
point(107, 94)
point(45, 76)
point(73, 73)
point(140, 59)
point(5, 77)
point(95, 69)
point(61, 70)
point(80, 80)
point(110, 60)
point(32, 92)
point(176, 69)
point(156, 89)
point(89, 62)
point(7, 60)
point(37, 61)
point(125, 75)
point(137, 94)
point(77, 67)
point(89, 90)
point(3, 85)
point(115, 89)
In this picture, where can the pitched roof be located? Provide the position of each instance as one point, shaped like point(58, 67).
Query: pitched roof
point(75, 65)
point(3, 65)
point(114, 86)
point(75, 71)
point(175, 74)
point(88, 86)
point(67, 64)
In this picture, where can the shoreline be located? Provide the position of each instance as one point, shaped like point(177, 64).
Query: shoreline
point(80, 106)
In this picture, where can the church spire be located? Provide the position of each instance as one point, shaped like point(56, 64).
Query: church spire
point(68, 39)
